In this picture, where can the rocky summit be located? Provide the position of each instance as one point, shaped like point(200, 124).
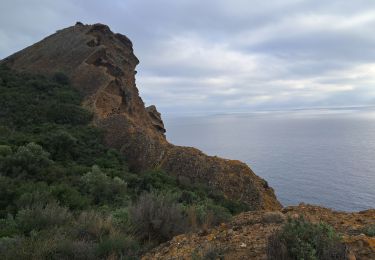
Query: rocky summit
point(101, 65)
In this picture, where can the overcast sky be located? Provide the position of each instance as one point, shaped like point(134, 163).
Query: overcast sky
point(224, 56)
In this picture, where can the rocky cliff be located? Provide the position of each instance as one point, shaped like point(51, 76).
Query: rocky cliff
point(101, 65)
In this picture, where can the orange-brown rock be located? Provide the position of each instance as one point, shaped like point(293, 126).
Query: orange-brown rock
point(245, 237)
point(101, 65)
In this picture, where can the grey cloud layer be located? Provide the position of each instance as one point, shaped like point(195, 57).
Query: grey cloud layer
point(216, 56)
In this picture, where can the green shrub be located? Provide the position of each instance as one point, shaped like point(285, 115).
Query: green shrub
point(72, 249)
point(8, 227)
point(61, 144)
point(68, 114)
point(369, 230)
point(219, 213)
point(52, 244)
point(5, 150)
point(33, 194)
point(121, 218)
point(61, 78)
point(28, 161)
point(103, 188)
point(273, 217)
point(300, 239)
point(206, 215)
point(118, 246)
point(157, 217)
point(38, 217)
point(10, 248)
point(156, 180)
point(69, 196)
point(93, 226)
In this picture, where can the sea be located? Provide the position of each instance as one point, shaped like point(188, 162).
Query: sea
point(318, 156)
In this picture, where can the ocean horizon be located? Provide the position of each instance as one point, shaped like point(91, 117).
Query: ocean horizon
point(322, 156)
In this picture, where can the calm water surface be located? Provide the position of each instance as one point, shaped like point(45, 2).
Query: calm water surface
point(324, 157)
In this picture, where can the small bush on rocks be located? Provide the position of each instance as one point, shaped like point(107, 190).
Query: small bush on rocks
point(369, 230)
point(300, 239)
point(273, 217)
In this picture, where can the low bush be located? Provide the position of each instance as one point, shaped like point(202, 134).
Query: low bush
point(94, 226)
point(118, 246)
point(61, 144)
point(61, 78)
point(5, 150)
point(157, 217)
point(39, 217)
point(72, 249)
point(27, 161)
point(369, 230)
point(103, 188)
point(300, 239)
point(273, 217)
point(8, 227)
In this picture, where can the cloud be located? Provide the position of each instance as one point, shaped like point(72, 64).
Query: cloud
point(221, 56)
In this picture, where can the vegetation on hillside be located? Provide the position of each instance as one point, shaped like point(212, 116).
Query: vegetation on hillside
point(64, 195)
point(300, 239)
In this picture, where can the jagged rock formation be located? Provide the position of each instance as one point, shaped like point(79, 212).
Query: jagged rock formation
point(156, 120)
point(245, 237)
point(101, 65)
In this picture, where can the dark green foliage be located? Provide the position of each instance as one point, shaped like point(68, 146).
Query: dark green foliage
point(5, 151)
point(187, 193)
point(69, 196)
point(61, 144)
point(8, 227)
point(37, 217)
point(27, 99)
point(103, 189)
point(369, 230)
point(300, 239)
point(60, 78)
point(64, 195)
point(70, 249)
point(27, 162)
point(119, 245)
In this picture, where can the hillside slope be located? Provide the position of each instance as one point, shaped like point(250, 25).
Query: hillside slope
point(101, 65)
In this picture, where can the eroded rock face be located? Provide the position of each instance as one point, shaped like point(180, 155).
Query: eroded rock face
point(101, 65)
point(245, 237)
point(156, 118)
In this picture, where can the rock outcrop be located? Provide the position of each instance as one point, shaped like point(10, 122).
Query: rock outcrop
point(156, 120)
point(245, 237)
point(101, 65)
